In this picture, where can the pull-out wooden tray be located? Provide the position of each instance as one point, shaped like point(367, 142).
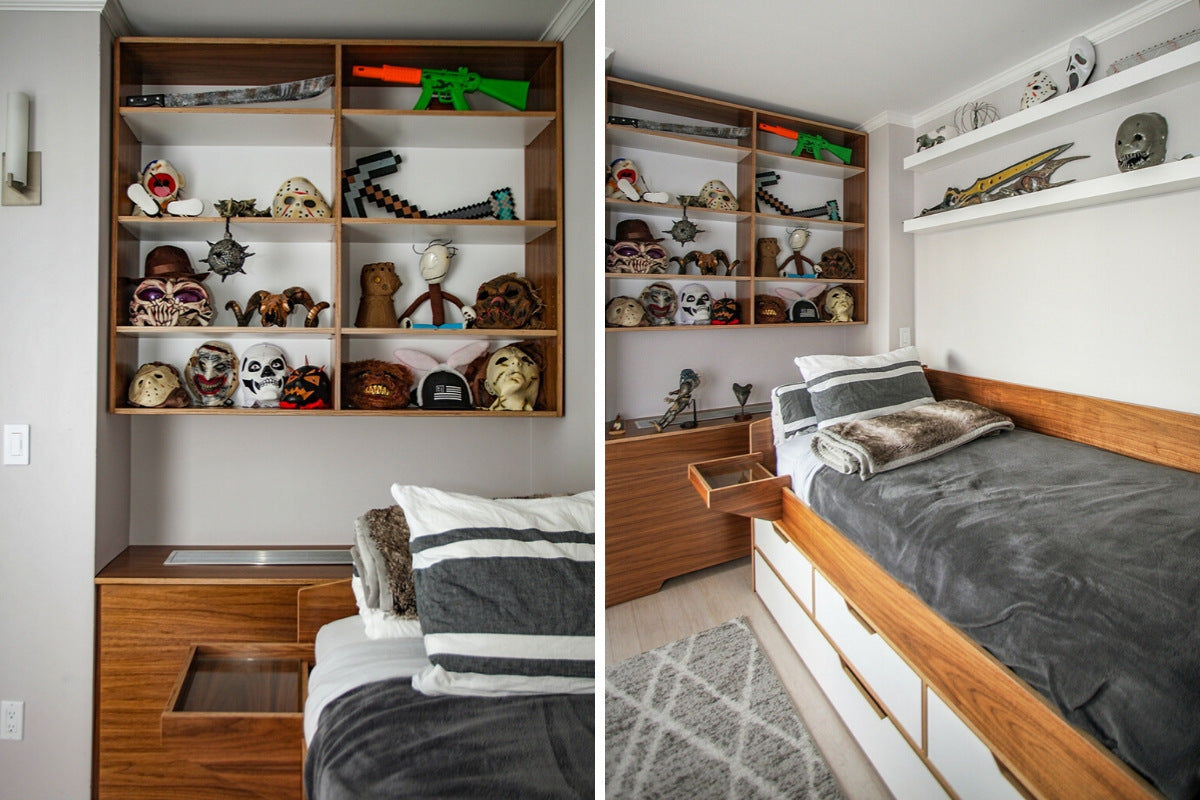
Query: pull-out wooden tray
point(740, 485)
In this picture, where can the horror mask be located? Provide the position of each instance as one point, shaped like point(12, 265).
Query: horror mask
point(171, 302)
point(297, 198)
point(264, 368)
point(715, 194)
point(695, 305)
point(211, 374)
point(1141, 141)
point(375, 384)
point(1081, 59)
point(307, 387)
point(1040, 87)
point(836, 263)
point(157, 385)
point(725, 311)
point(769, 309)
point(839, 304)
point(508, 301)
point(625, 312)
point(513, 377)
point(157, 191)
point(640, 258)
point(660, 302)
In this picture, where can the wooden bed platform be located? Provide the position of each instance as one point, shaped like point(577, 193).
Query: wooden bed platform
point(1034, 748)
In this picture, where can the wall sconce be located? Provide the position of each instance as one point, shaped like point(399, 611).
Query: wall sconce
point(21, 169)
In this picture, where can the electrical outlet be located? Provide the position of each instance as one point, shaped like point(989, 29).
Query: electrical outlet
point(12, 719)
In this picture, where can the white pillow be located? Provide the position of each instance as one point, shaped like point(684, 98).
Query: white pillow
point(846, 388)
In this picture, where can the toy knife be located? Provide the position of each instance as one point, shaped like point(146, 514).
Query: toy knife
point(673, 127)
point(292, 90)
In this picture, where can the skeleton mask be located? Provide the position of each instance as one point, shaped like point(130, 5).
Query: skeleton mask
point(435, 260)
point(513, 377)
point(508, 301)
point(624, 312)
point(836, 263)
point(171, 302)
point(1040, 87)
point(660, 302)
point(839, 303)
point(725, 311)
point(264, 368)
point(297, 198)
point(715, 194)
point(1081, 59)
point(695, 305)
point(211, 374)
point(307, 387)
point(1141, 141)
point(157, 385)
point(638, 257)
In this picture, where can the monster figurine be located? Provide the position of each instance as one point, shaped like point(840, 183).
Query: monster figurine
point(679, 399)
point(225, 256)
point(211, 375)
point(434, 264)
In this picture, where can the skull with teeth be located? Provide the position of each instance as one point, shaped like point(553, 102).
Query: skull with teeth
point(660, 302)
point(695, 305)
point(1141, 141)
point(171, 302)
point(264, 369)
point(636, 250)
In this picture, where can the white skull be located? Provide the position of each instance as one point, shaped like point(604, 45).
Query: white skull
point(264, 369)
point(170, 302)
point(695, 305)
point(1081, 59)
point(1040, 87)
point(297, 198)
point(716, 194)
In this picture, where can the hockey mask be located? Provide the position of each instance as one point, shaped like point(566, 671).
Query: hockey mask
point(157, 385)
point(1141, 141)
point(624, 312)
point(715, 194)
point(660, 302)
point(171, 302)
point(211, 374)
point(1081, 59)
point(513, 377)
point(1040, 87)
point(695, 305)
point(297, 198)
point(264, 368)
point(307, 387)
point(507, 301)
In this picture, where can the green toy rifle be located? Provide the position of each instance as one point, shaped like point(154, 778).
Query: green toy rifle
point(811, 142)
point(449, 86)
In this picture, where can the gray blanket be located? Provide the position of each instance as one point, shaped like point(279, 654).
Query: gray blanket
point(1077, 568)
point(866, 447)
point(385, 740)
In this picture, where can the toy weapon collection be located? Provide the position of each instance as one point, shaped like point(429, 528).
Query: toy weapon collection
point(811, 142)
point(449, 86)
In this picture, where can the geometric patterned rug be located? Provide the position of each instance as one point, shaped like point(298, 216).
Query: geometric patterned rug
point(707, 717)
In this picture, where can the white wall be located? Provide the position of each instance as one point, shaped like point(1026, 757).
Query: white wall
point(50, 378)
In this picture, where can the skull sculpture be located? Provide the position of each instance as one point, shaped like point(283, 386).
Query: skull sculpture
point(636, 250)
point(297, 198)
point(1081, 59)
point(171, 302)
point(211, 374)
point(264, 369)
point(695, 305)
point(157, 385)
point(1141, 141)
point(660, 302)
point(508, 301)
point(1040, 87)
point(513, 377)
point(715, 194)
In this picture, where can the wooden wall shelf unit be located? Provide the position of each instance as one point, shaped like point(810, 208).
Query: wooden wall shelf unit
point(450, 159)
point(680, 164)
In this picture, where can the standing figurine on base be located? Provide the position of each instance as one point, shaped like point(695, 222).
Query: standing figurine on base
point(679, 400)
point(742, 393)
point(434, 264)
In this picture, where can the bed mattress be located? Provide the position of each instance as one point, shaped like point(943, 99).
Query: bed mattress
point(1077, 568)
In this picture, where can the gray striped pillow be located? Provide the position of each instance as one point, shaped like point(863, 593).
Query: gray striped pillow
point(791, 412)
point(505, 591)
point(846, 388)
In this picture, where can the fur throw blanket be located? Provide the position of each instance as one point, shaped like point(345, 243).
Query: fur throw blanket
point(384, 562)
point(869, 446)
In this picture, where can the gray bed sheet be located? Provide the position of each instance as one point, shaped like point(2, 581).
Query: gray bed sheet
point(385, 740)
point(1076, 567)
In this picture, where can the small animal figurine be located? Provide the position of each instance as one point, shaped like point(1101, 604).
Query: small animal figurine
point(379, 282)
point(274, 309)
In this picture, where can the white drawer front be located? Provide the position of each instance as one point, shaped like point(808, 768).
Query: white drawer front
point(895, 761)
point(888, 676)
point(964, 761)
point(788, 561)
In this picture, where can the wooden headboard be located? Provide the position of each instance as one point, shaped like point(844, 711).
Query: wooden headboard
point(322, 603)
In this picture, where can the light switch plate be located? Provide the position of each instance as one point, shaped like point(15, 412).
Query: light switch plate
point(16, 445)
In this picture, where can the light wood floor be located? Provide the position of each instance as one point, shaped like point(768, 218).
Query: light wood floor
point(707, 598)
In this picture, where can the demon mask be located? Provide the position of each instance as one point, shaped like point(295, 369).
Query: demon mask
point(264, 368)
point(1141, 141)
point(157, 385)
point(513, 378)
point(660, 302)
point(725, 311)
point(307, 387)
point(836, 263)
point(769, 309)
point(508, 301)
point(211, 374)
point(695, 305)
point(297, 198)
point(625, 312)
point(171, 302)
point(375, 384)
point(636, 250)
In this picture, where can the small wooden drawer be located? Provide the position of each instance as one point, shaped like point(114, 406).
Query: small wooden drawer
point(238, 710)
point(740, 485)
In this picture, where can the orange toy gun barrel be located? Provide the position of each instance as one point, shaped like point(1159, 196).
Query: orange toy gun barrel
point(408, 75)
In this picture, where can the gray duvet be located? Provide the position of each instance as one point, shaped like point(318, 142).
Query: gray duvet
point(1077, 568)
point(385, 740)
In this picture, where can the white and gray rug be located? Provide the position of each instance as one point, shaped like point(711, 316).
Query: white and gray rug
point(707, 717)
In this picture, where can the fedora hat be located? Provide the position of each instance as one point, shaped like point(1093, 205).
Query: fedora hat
point(634, 230)
point(169, 261)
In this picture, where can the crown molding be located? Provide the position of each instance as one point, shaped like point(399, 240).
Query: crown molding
point(1115, 26)
point(886, 118)
point(565, 20)
point(51, 5)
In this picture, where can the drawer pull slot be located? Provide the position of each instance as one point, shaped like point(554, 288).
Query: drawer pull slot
point(862, 688)
point(866, 625)
point(1013, 780)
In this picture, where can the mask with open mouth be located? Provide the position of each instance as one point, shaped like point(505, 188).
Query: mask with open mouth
point(1141, 141)
point(211, 374)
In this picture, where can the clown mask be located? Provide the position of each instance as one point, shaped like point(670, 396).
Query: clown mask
point(211, 374)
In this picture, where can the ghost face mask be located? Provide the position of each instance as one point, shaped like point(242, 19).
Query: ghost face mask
point(211, 374)
point(1141, 141)
point(264, 369)
point(695, 305)
point(1081, 59)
